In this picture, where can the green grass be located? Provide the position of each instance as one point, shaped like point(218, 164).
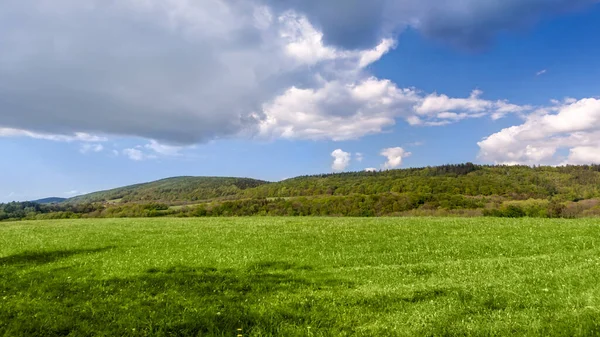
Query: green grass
point(300, 277)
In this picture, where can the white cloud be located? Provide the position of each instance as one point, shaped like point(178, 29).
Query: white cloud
point(336, 110)
point(72, 193)
point(240, 68)
point(371, 56)
point(584, 155)
point(359, 157)
point(91, 66)
point(77, 136)
point(90, 147)
point(304, 42)
point(233, 59)
point(341, 160)
point(72, 69)
point(441, 108)
point(151, 150)
point(572, 126)
point(394, 157)
point(163, 149)
point(435, 104)
point(136, 155)
point(541, 72)
point(340, 110)
point(371, 169)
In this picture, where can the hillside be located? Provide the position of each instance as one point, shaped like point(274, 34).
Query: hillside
point(507, 182)
point(172, 190)
point(52, 200)
point(464, 189)
point(511, 182)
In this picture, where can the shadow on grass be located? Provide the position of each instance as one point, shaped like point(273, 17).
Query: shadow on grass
point(38, 258)
point(269, 298)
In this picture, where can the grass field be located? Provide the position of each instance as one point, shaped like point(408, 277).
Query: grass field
point(300, 277)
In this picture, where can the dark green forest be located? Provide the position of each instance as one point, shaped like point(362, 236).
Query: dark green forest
point(173, 190)
point(459, 190)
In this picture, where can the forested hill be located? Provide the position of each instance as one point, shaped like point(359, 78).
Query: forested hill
point(52, 200)
point(173, 190)
point(465, 189)
point(508, 182)
point(511, 182)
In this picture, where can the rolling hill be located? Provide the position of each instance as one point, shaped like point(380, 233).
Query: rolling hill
point(172, 190)
point(52, 200)
point(570, 183)
point(512, 182)
point(463, 189)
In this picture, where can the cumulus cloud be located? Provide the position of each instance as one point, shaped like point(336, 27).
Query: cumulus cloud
point(572, 126)
point(394, 157)
point(180, 72)
point(441, 109)
point(209, 69)
point(337, 110)
point(175, 71)
point(370, 169)
point(359, 157)
point(304, 42)
point(341, 160)
point(343, 111)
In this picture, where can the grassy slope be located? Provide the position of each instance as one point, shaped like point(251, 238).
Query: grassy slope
point(174, 189)
point(300, 277)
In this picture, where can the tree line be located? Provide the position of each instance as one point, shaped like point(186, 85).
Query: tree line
point(386, 204)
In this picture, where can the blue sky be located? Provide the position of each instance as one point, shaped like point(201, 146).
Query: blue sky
point(273, 90)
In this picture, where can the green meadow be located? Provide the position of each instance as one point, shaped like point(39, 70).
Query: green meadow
point(300, 277)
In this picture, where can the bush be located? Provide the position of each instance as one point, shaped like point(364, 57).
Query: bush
point(510, 211)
